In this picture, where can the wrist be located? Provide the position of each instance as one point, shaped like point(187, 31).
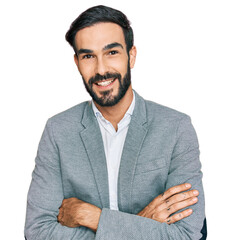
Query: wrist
point(91, 217)
point(94, 222)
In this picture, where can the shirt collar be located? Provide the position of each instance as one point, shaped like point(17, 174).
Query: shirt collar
point(129, 111)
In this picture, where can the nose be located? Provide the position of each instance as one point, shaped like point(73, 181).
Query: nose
point(101, 66)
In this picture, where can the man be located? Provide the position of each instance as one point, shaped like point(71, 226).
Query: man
point(118, 167)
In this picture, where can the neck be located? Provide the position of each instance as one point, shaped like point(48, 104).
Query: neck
point(115, 113)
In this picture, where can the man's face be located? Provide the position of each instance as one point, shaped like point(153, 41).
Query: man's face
point(103, 62)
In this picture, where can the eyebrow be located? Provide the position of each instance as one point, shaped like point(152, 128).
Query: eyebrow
point(82, 51)
point(112, 45)
point(107, 47)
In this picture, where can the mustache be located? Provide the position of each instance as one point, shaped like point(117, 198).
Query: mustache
point(98, 77)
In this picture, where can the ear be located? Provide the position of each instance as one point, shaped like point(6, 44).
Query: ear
point(76, 60)
point(132, 54)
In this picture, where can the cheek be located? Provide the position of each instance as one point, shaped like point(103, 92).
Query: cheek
point(120, 66)
point(86, 71)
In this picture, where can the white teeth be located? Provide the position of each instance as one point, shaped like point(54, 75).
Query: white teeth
point(104, 84)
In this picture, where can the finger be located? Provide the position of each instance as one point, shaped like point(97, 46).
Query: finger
point(181, 197)
point(180, 205)
point(164, 197)
point(61, 222)
point(61, 213)
point(176, 189)
point(59, 218)
point(166, 204)
point(65, 201)
point(179, 216)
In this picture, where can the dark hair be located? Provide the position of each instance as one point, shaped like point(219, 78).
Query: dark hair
point(99, 14)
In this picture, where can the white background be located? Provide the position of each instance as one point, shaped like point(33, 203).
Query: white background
point(183, 61)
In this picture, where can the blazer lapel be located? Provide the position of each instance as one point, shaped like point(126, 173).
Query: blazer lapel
point(92, 140)
point(136, 133)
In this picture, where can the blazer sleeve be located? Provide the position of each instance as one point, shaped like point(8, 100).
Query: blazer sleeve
point(184, 167)
point(45, 196)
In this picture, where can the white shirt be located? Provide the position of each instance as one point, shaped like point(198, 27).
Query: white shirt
point(113, 146)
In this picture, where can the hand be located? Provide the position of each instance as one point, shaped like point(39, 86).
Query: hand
point(74, 213)
point(171, 201)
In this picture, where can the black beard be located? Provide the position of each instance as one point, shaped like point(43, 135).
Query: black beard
point(106, 100)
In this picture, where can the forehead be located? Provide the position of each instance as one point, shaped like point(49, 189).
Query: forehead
point(99, 35)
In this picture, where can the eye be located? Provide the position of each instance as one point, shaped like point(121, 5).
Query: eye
point(87, 56)
point(113, 52)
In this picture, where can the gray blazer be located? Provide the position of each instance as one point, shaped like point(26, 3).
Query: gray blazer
point(160, 151)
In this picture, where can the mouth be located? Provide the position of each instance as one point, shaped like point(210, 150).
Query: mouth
point(105, 83)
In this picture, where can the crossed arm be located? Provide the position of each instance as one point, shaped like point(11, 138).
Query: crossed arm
point(46, 196)
point(74, 212)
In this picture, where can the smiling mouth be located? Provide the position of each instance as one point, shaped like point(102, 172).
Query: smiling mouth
point(105, 83)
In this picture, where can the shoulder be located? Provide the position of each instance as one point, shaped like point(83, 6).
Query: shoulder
point(156, 112)
point(161, 118)
point(69, 117)
point(165, 120)
point(163, 113)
